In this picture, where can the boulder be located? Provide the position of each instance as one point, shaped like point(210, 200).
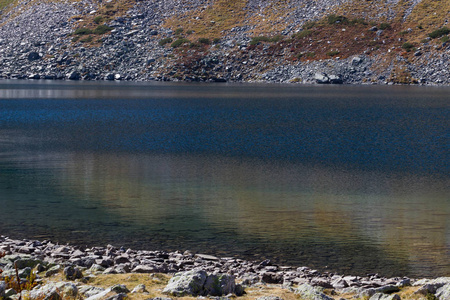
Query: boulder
point(72, 273)
point(33, 56)
point(2, 288)
point(53, 270)
point(321, 78)
point(443, 293)
point(218, 285)
point(186, 283)
point(73, 76)
point(120, 289)
point(387, 289)
point(199, 283)
point(308, 292)
point(140, 288)
point(381, 296)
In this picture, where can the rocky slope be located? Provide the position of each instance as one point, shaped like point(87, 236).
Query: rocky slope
point(321, 41)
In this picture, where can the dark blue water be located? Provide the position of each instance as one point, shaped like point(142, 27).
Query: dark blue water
point(352, 178)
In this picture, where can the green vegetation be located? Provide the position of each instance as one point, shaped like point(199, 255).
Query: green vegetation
point(216, 40)
point(384, 26)
point(439, 32)
point(333, 52)
point(407, 46)
point(303, 34)
point(165, 41)
point(5, 3)
point(179, 42)
point(445, 39)
point(102, 29)
point(258, 39)
point(83, 31)
point(204, 41)
point(334, 19)
point(98, 19)
point(178, 31)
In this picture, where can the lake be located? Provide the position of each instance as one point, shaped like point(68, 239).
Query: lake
point(349, 179)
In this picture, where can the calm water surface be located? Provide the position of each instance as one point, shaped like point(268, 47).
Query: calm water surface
point(348, 179)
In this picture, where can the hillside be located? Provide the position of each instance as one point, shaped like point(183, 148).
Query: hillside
point(323, 41)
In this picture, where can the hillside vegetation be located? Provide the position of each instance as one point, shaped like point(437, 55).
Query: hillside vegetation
point(395, 37)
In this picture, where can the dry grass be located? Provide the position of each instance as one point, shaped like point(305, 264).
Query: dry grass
point(212, 21)
point(155, 283)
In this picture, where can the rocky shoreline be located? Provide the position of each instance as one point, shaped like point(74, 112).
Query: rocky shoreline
point(80, 265)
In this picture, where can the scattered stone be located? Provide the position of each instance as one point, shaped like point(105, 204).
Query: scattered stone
point(309, 292)
point(72, 273)
point(120, 288)
point(140, 288)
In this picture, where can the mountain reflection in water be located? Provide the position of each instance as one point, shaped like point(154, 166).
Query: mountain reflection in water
point(357, 182)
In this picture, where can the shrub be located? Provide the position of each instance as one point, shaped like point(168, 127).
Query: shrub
point(439, 32)
point(333, 53)
point(83, 31)
point(179, 31)
point(333, 19)
point(445, 39)
point(407, 46)
point(359, 21)
point(204, 41)
point(179, 42)
point(101, 29)
point(276, 39)
point(384, 26)
point(303, 34)
point(216, 40)
point(98, 19)
point(75, 39)
point(165, 41)
point(258, 39)
point(189, 32)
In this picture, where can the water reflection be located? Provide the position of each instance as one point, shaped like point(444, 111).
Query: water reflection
point(355, 179)
point(351, 222)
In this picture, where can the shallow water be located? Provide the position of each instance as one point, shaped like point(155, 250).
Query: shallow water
point(347, 179)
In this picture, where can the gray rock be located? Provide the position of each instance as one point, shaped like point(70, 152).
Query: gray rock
point(26, 262)
point(2, 288)
point(269, 298)
point(140, 288)
point(33, 56)
point(309, 292)
point(187, 283)
point(88, 291)
point(321, 78)
point(73, 76)
point(387, 289)
point(380, 296)
point(146, 269)
point(72, 273)
point(53, 270)
point(443, 293)
point(218, 285)
point(120, 296)
point(96, 268)
point(120, 288)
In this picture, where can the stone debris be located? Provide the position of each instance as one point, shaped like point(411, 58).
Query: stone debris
point(37, 42)
point(194, 274)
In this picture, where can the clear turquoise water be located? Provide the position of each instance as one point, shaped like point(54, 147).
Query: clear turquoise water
point(348, 179)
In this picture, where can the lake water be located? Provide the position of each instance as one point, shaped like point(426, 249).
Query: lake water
point(352, 179)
